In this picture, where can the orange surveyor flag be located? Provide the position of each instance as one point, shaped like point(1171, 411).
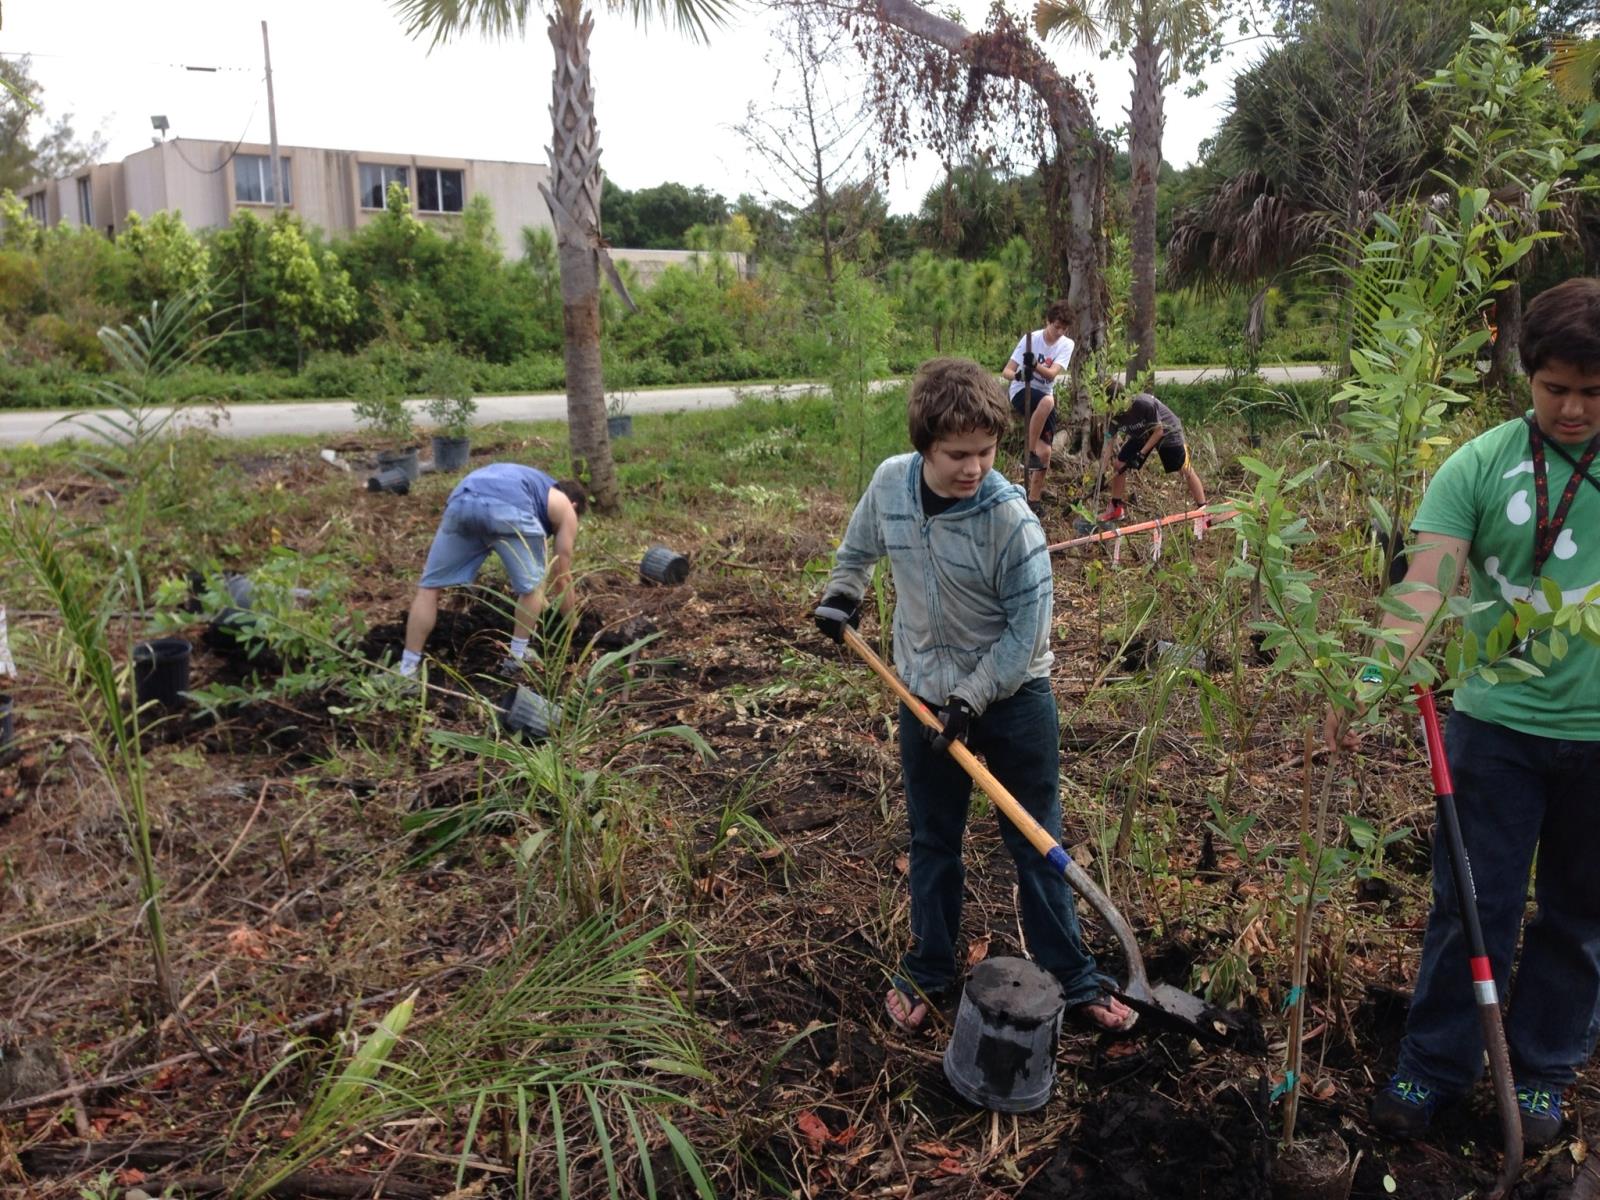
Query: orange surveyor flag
point(1106, 535)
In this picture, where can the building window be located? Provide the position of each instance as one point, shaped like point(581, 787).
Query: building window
point(252, 180)
point(85, 203)
point(36, 207)
point(375, 181)
point(439, 190)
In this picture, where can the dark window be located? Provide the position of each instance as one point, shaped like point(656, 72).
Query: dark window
point(252, 180)
point(36, 207)
point(375, 181)
point(439, 190)
point(85, 202)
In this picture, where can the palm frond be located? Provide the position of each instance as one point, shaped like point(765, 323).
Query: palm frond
point(1068, 20)
point(1575, 68)
point(691, 18)
point(444, 20)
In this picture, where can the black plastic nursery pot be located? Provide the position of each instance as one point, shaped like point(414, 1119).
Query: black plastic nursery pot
point(524, 712)
point(451, 453)
point(7, 729)
point(1002, 1053)
point(406, 460)
point(619, 427)
point(390, 479)
point(661, 564)
point(161, 671)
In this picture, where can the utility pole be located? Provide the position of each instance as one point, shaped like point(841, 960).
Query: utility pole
point(272, 129)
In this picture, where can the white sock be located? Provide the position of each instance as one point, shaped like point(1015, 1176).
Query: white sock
point(409, 662)
point(519, 648)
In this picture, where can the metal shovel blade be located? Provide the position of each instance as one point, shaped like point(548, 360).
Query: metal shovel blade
point(1176, 1007)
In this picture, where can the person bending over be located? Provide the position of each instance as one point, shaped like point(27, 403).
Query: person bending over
point(514, 512)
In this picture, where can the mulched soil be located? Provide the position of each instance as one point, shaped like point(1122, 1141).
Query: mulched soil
point(290, 892)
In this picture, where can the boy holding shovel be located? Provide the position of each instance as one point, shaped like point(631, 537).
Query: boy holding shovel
point(971, 625)
point(1518, 508)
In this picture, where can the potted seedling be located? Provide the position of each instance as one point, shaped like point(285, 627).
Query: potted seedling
point(381, 409)
point(619, 422)
point(451, 409)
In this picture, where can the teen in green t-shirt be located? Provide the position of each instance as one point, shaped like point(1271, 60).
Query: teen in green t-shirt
point(1524, 757)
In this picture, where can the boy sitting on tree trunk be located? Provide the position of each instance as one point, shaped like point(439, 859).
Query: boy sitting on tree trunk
point(1051, 352)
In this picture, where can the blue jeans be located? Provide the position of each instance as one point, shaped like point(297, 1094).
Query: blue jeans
point(1020, 737)
point(474, 526)
point(1518, 795)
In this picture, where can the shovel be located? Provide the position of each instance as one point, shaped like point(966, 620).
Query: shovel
point(1162, 1002)
point(1489, 1019)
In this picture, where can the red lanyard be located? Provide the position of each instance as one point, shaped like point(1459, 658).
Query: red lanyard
point(1546, 528)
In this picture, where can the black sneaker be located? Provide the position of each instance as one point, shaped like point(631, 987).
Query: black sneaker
point(1405, 1108)
point(1541, 1115)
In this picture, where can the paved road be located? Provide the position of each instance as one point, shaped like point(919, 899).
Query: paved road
point(336, 416)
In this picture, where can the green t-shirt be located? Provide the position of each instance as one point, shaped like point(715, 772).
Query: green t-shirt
point(1484, 493)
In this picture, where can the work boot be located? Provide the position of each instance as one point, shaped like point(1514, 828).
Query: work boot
point(1540, 1109)
point(1115, 513)
point(1405, 1107)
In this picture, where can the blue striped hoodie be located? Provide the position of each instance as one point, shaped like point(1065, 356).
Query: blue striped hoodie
point(972, 586)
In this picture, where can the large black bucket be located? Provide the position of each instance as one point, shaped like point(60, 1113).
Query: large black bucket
point(161, 671)
point(451, 453)
point(664, 565)
point(7, 729)
point(390, 479)
point(405, 460)
point(1002, 1054)
point(526, 712)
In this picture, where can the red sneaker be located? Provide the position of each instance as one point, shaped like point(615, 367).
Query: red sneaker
point(1115, 513)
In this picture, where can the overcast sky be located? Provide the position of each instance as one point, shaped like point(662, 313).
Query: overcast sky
point(346, 76)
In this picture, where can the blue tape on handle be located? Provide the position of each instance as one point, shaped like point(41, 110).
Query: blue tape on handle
point(1057, 858)
point(1283, 1088)
point(1293, 997)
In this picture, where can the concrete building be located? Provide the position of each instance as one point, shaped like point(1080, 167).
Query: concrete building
point(336, 190)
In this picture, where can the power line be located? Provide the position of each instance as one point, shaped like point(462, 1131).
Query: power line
point(231, 153)
point(209, 70)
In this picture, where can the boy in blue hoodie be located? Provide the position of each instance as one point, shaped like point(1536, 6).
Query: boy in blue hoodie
point(973, 599)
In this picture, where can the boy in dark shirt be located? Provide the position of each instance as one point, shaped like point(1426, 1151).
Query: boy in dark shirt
point(1147, 424)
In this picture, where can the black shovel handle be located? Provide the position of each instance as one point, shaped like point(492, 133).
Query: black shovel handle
point(1483, 985)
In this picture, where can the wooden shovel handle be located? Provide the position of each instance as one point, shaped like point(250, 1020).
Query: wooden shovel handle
point(1138, 986)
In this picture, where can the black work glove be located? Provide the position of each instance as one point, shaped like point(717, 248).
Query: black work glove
point(835, 611)
point(955, 716)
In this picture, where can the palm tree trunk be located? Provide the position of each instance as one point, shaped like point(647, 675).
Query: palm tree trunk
point(575, 184)
point(1144, 155)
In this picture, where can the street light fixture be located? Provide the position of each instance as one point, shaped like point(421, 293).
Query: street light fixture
point(159, 124)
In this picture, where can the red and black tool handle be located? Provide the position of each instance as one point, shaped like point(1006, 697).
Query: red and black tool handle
point(1483, 986)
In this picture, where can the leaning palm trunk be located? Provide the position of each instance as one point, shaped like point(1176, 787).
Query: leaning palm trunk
point(1144, 153)
point(1077, 141)
point(575, 187)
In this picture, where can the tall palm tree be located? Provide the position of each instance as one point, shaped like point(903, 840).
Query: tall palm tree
point(574, 192)
point(1162, 36)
